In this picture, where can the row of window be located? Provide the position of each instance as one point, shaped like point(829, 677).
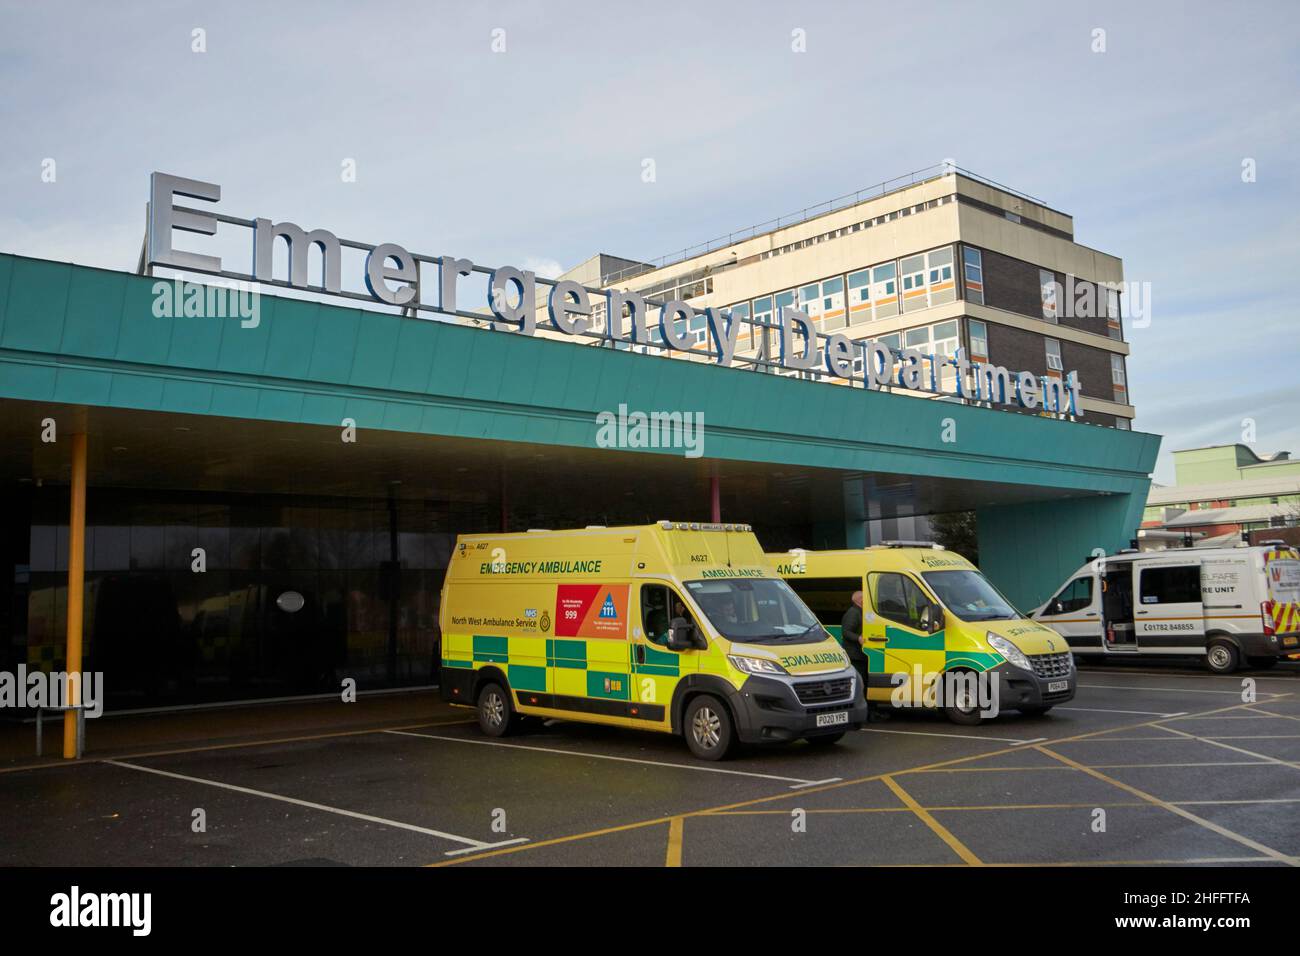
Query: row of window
point(857, 227)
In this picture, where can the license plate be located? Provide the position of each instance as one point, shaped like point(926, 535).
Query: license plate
point(1056, 685)
point(1290, 641)
point(830, 720)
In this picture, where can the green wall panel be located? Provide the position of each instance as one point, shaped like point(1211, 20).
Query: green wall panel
point(311, 362)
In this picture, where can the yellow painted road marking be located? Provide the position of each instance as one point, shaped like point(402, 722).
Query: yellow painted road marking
point(625, 827)
point(1263, 758)
point(928, 733)
point(702, 768)
point(940, 830)
point(674, 857)
point(1172, 808)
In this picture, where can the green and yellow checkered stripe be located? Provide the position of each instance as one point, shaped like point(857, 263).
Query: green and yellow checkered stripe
point(572, 667)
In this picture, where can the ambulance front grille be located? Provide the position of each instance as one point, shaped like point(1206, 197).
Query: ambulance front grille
point(1051, 665)
point(822, 691)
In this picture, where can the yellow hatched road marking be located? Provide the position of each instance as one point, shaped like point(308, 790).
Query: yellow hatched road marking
point(940, 830)
point(674, 857)
point(624, 827)
point(1173, 808)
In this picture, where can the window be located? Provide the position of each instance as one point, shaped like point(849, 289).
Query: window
point(1053, 349)
point(757, 611)
point(970, 596)
point(912, 270)
point(762, 317)
point(1112, 314)
point(745, 336)
point(938, 340)
point(659, 605)
point(699, 329)
point(859, 296)
point(973, 263)
point(828, 598)
point(1075, 596)
point(1047, 286)
point(884, 289)
point(896, 597)
point(824, 302)
point(938, 266)
point(1121, 424)
point(1118, 379)
point(784, 300)
point(1176, 585)
point(833, 314)
point(979, 340)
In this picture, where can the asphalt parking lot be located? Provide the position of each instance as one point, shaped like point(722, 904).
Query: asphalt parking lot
point(1164, 765)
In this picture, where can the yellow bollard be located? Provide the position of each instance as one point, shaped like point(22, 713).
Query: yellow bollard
point(76, 592)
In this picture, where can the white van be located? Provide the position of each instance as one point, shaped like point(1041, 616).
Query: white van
point(1229, 605)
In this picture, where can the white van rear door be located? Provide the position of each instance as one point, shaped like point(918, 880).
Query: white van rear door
point(1168, 611)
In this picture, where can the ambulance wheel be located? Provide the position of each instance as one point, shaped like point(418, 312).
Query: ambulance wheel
point(1262, 663)
point(496, 714)
point(964, 709)
point(1222, 657)
point(825, 740)
point(708, 729)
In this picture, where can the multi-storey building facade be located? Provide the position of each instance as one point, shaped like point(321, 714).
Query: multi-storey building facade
point(947, 261)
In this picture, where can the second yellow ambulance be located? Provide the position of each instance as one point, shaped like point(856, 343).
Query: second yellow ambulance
point(675, 627)
point(927, 612)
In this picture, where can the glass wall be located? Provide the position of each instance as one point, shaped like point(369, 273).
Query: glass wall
point(207, 596)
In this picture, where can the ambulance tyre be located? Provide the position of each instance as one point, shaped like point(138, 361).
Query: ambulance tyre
point(708, 728)
point(963, 710)
point(496, 714)
point(1222, 656)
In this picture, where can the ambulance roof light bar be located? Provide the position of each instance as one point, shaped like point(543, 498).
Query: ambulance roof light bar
point(934, 545)
point(700, 526)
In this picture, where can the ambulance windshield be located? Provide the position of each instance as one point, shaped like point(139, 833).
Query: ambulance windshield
point(969, 595)
point(756, 611)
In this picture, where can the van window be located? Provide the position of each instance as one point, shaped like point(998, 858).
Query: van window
point(970, 596)
point(1075, 596)
point(1176, 585)
point(897, 597)
point(828, 598)
point(759, 611)
point(659, 605)
point(1284, 580)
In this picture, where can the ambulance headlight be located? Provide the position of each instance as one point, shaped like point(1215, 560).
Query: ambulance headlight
point(755, 665)
point(1014, 655)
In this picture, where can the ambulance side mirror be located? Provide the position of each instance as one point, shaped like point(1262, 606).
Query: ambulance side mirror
point(682, 636)
point(1058, 607)
point(932, 618)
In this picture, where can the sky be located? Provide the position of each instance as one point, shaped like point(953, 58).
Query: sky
point(518, 133)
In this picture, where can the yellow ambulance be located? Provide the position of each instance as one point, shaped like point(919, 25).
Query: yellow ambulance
point(675, 627)
point(927, 612)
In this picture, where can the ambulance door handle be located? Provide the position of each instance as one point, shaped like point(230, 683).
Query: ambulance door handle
point(877, 640)
point(640, 653)
point(1091, 614)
